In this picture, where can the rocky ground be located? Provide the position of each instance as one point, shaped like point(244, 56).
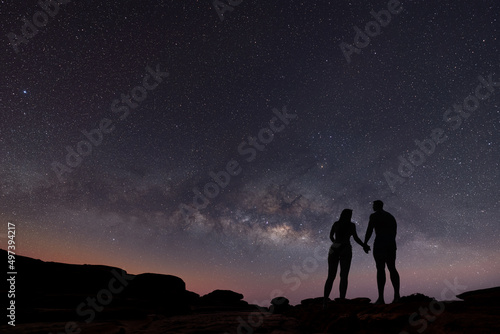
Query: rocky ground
point(62, 298)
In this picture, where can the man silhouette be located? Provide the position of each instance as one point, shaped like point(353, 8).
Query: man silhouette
point(384, 248)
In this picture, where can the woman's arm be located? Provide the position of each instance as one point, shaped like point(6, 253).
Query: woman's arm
point(332, 232)
point(355, 236)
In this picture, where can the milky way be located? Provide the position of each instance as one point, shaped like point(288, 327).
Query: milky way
point(152, 136)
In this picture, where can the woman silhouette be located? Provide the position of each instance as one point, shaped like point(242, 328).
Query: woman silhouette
point(341, 252)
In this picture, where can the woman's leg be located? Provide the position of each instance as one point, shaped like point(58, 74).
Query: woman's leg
point(345, 266)
point(333, 262)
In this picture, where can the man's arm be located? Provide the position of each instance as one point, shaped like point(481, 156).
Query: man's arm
point(394, 226)
point(369, 231)
point(366, 248)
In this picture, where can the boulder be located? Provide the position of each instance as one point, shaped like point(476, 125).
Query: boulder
point(155, 286)
point(165, 294)
point(223, 298)
point(482, 297)
point(313, 301)
point(279, 305)
point(416, 297)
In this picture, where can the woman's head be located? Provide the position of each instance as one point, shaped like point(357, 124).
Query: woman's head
point(346, 215)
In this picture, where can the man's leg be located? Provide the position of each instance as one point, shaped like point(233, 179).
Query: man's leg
point(391, 265)
point(380, 263)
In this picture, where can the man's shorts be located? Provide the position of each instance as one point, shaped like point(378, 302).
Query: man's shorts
point(384, 254)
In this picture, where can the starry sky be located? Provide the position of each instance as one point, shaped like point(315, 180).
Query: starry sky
point(116, 116)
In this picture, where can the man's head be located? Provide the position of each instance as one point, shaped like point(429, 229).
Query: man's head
point(378, 205)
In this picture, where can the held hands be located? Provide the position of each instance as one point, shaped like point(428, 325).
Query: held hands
point(366, 248)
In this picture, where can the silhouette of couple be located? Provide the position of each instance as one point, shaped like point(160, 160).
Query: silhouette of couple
point(384, 250)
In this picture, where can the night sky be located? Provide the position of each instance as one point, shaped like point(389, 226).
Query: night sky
point(116, 115)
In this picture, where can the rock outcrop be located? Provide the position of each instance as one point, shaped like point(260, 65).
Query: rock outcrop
point(52, 297)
